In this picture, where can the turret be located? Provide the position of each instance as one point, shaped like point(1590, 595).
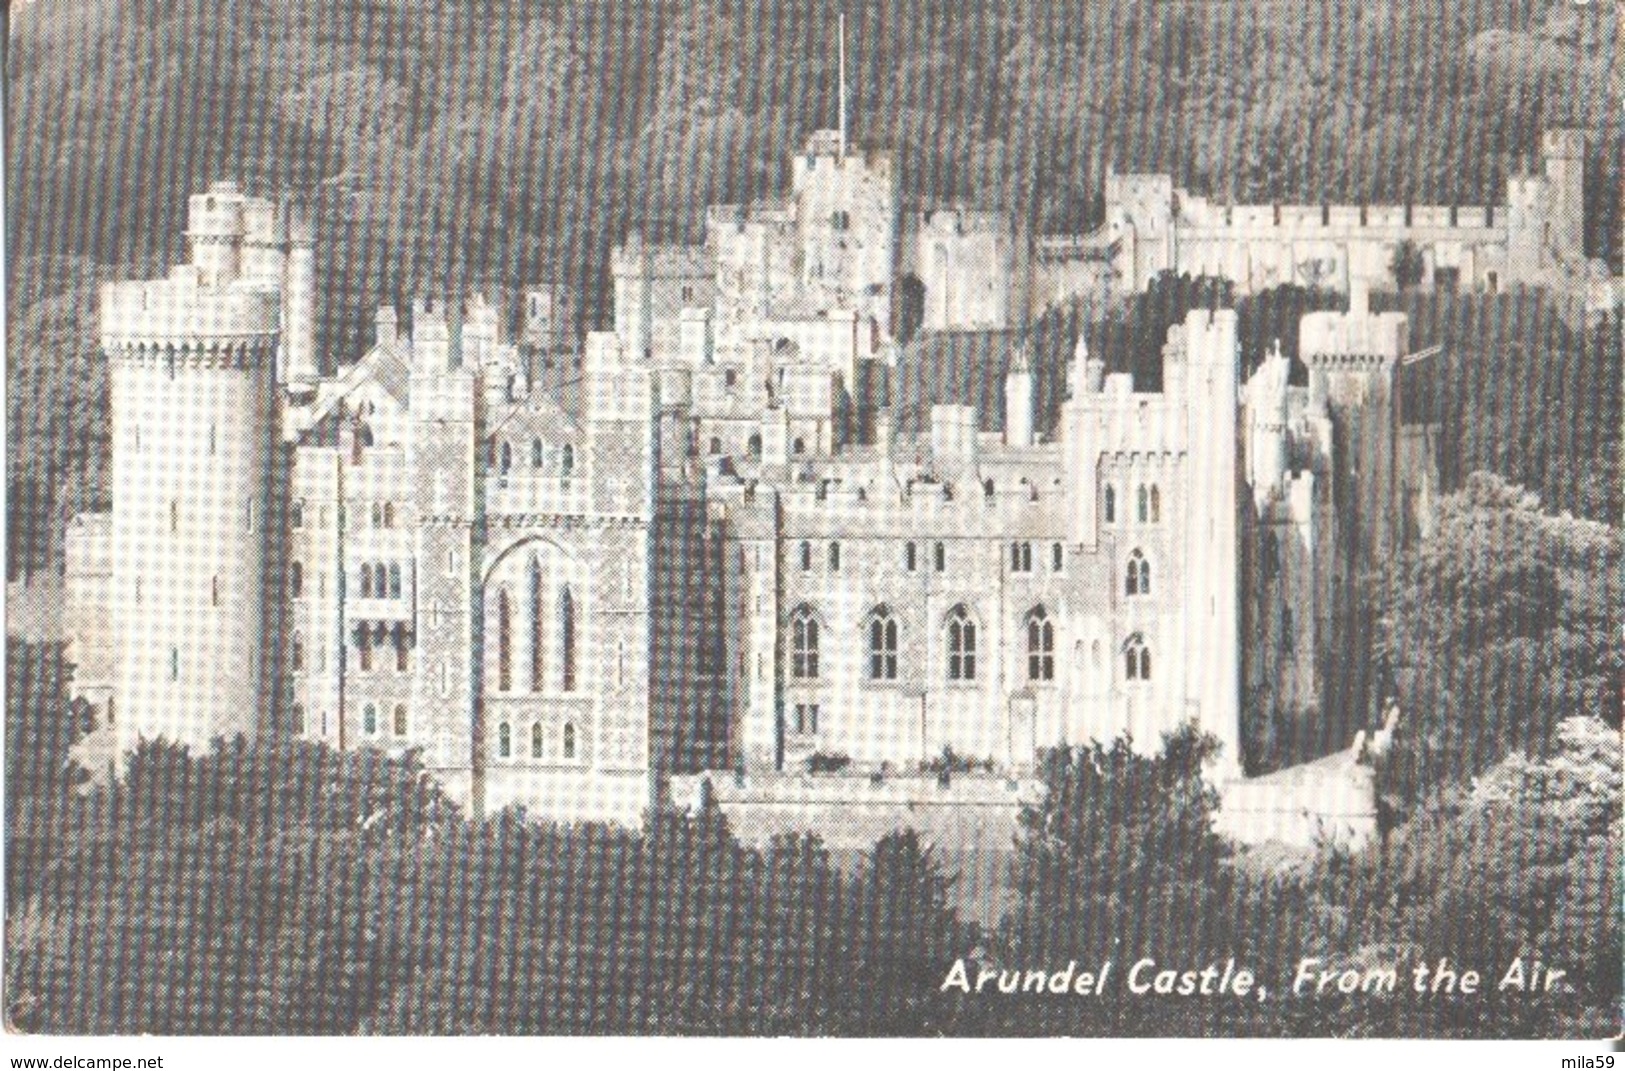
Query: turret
point(299, 368)
point(1018, 399)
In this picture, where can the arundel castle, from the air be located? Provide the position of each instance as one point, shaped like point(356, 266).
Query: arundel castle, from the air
point(738, 546)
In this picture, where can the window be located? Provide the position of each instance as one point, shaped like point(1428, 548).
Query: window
point(1057, 557)
point(394, 580)
point(535, 739)
point(380, 588)
point(389, 514)
point(961, 645)
point(567, 460)
point(754, 446)
point(882, 645)
point(806, 719)
point(296, 579)
point(296, 513)
point(1021, 557)
point(174, 516)
point(806, 556)
point(505, 456)
point(834, 557)
point(799, 447)
point(1156, 505)
point(803, 644)
point(688, 293)
point(730, 378)
point(536, 453)
point(400, 719)
point(403, 648)
point(909, 554)
point(716, 445)
point(569, 741)
point(1110, 509)
point(504, 641)
point(214, 591)
point(296, 657)
point(537, 624)
point(363, 647)
point(1040, 646)
point(1144, 504)
point(941, 554)
point(567, 640)
point(298, 720)
point(174, 663)
point(1136, 659)
point(377, 514)
point(366, 580)
point(1289, 639)
point(504, 741)
point(1271, 556)
point(1137, 575)
point(840, 220)
point(369, 719)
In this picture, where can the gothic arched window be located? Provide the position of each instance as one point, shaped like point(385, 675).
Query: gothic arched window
point(536, 453)
point(569, 740)
point(1137, 574)
point(804, 644)
point(567, 640)
point(504, 641)
point(882, 645)
point(961, 645)
point(535, 739)
point(394, 580)
point(567, 460)
point(504, 741)
point(369, 719)
point(296, 579)
point(1040, 646)
point(806, 556)
point(1156, 505)
point(1110, 510)
point(1136, 659)
point(1144, 504)
point(297, 656)
point(505, 465)
point(753, 446)
point(400, 719)
point(537, 624)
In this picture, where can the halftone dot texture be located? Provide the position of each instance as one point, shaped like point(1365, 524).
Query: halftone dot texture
point(349, 618)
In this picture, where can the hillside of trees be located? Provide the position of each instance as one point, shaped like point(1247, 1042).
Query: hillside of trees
point(497, 142)
point(285, 888)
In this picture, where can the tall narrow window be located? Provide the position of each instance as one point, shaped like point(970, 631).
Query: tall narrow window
point(567, 461)
point(909, 554)
point(213, 439)
point(882, 645)
point(174, 663)
point(296, 651)
point(389, 514)
point(369, 719)
point(1110, 509)
point(394, 580)
point(296, 513)
point(1156, 505)
point(834, 557)
point(806, 556)
point(1137, 575)
point(941, 553)
point(296, 579)
point(403, 647)
point(804, 644)
point(214, 591)
point(1144, 501)
point(377, 514)
point(174, 516)
point(298, 720)
point(504, 641)
point(1136, 659)
point(504, 741)
point(569, 741)
point(1057, 557)
point(537, 624)
point(961, 645)
point(363, 647)
point(1021, 557)
point(506, 455)
point(1040, 646)
point(366, 580)
point(400, 719)
point(536, 453)
point(535, 739)
point(567, 640)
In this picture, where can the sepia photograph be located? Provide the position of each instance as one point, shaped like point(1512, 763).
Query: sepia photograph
point(813, 518)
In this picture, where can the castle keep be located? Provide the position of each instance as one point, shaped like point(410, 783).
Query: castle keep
point(731, 553)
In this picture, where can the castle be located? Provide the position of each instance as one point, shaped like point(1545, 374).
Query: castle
point(728, 554)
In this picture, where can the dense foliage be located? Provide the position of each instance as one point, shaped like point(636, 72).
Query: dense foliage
point(285, 888)
point(505, 142)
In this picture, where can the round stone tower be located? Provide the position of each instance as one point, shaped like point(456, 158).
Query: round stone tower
point(192, 362)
